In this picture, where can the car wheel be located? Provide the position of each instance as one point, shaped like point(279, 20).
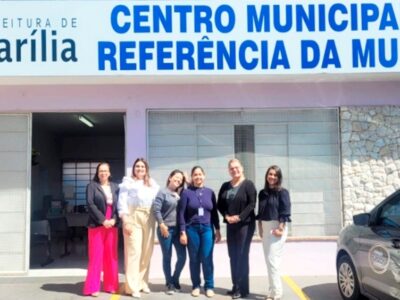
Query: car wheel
point(347, 279)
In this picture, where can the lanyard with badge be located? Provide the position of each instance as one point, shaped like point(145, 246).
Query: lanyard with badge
point(201, 209)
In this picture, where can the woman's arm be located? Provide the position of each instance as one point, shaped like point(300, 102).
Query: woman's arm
point(181, 212)
point(261, 204)
point(258, 216)
point(93, 210)
point(251, 196)
point(123, 202)
point(221, 203)
point(215, 218)
point(114, 191)
point(283, 212)
point(284, 209)
point(123, 209)
point(214, 212)
point(156, 208)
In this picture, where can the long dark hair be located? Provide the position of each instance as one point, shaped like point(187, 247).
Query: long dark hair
point(191, 174)
point(194, 169)
point(278, 172)
point(146, 178)
point(96, 176)
point(172, 174)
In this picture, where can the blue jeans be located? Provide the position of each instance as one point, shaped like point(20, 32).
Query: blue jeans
point(166, 248)
point(200, 247)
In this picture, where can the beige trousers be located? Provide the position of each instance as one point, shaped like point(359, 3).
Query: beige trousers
point(138, 248)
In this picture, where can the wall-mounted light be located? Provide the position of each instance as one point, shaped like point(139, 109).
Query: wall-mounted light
point(85, 121)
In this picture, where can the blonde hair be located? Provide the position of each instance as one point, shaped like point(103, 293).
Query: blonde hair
point(146, 178)
point(234, 160)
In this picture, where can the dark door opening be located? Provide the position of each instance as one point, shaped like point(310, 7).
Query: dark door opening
point(66, 148)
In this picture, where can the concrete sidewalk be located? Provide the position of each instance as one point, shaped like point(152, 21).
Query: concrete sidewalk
point(300, 258)
point(311, 263)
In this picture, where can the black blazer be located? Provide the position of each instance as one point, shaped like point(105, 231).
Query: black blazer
point(97, 205)
point(243, 204)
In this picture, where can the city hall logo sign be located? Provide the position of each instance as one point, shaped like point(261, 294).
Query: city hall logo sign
point(198, 37)
point(40, 43)
point(379, 258)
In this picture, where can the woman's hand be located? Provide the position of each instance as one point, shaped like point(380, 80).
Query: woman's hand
point(107, 224)
point(164, 230)
point(232, 219)
point(278, 232)
point(127, 228)
point(183, 238)
point(217, 236)
point(126, 225)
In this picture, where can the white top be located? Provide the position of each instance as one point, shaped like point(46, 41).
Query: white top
point(134, 193)
point(108, 193)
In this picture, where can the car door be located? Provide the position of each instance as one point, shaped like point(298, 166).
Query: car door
point(379, 254)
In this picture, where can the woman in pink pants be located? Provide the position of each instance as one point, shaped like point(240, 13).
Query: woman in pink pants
point(102, 198)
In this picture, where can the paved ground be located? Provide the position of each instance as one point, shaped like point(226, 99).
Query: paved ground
point(308, 271)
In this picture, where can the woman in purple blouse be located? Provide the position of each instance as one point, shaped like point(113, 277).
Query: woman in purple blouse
point(198, 217)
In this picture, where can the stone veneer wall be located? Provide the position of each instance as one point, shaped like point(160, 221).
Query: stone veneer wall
point(370, 139)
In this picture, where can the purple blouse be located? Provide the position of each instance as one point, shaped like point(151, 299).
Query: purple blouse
point(197, 206)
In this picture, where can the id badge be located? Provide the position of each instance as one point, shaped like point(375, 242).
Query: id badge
point(201, 211)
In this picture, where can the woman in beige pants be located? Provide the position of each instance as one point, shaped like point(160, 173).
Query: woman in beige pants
point(137, 193)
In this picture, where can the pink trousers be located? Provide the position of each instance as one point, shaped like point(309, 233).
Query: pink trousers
point(103, 256)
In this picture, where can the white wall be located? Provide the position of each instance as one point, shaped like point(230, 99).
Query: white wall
point(14, 192)
point(136, 99)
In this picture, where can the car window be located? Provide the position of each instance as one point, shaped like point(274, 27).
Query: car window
point(390, 213)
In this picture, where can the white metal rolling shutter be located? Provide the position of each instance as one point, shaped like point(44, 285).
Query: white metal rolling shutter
point(14, 187)
point(304, 143)
point(172, 144)
point(181, 140)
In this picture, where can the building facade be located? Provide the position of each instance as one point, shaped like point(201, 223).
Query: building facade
point(316, 95)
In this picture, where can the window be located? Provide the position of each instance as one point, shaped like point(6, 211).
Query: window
point(76, 176)
point(245, 148)
point(390, 215)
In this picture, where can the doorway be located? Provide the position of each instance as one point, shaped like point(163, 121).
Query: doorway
point(66, 148)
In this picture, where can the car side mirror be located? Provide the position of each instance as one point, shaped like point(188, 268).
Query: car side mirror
point(362, 219)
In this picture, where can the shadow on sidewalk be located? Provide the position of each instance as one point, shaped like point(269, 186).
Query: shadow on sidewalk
point(70, 288)
point(186, 289)
point(326, 291)
point(156, 288)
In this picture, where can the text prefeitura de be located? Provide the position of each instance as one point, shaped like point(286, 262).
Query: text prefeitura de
point(138, 20)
